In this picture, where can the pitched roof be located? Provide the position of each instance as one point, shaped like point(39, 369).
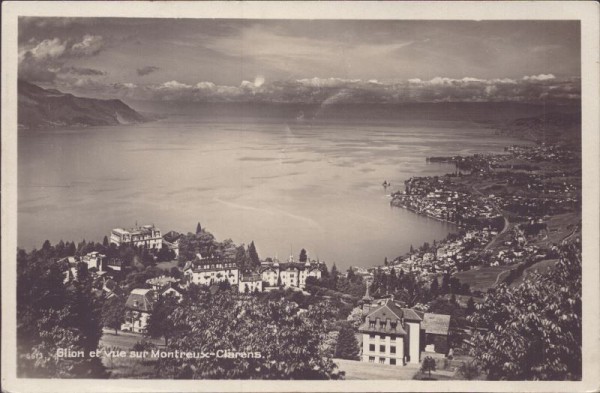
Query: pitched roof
point(141, 300)
point(387, 313)
point(436, 323)
point(411, 315)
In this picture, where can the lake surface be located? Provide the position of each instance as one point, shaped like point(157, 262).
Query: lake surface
point(285, 186)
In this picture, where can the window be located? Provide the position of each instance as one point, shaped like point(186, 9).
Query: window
point(371, 336)
point(393, 362)
point(392, 349)
point(372, 324)
point(382, 325)
point(382, 348)
point(393, 338)
point(382, 360)
point(372, 347)
point(371, 359)
point(393, 325)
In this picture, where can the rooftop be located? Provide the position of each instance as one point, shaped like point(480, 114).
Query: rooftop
point(140, 299)
point(436, 323)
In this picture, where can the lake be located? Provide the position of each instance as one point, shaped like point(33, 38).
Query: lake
point(286, 186)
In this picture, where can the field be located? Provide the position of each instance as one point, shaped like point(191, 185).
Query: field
point(167, 265)
point(560, 226)
point(480, 279)
point(541, 267)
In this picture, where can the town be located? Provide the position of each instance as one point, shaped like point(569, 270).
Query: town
point(517, 216)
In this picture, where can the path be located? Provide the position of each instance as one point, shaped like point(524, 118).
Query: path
point(363, 370)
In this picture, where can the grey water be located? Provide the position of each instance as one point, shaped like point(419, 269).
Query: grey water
point(283, 185)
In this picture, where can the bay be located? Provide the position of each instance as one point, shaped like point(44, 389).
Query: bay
point(283, 185)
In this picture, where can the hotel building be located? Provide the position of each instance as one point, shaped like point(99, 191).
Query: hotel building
point(146, 236)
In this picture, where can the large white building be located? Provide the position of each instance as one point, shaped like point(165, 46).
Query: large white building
point(145, 236)
point(207, 271)
point(250, 282)
point(391, 334)
point(290, 274)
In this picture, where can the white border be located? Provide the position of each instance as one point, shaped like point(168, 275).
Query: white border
point(585, 11)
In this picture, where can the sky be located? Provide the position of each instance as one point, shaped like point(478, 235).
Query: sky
point(302, 60)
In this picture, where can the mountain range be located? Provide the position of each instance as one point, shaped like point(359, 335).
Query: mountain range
point(38, 107)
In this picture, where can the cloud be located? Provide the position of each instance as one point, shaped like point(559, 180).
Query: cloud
point(146, 70)
point(82, 71)
point(90, 45)
point(540, 77)
point(328, 91)
point(48, 49)
point(42, 61)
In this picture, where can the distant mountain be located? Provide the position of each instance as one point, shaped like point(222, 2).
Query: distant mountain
point(488, 113)
point(51, 108)
point(549, 127)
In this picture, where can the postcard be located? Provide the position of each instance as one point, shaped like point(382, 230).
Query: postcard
point(300, 196)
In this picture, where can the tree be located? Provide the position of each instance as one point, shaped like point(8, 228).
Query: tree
point(71, 250)
point(445, 283)
point(470, 306)
point(533, 331)
point(303, 256)
point(198, 229)
point(469, 370)
point(105, 241)
point(385, 261)
point(253, 256)
point(428, 365)
point(52, 315)
point(175, 273)
point(113, 313)
point(350, 275)
point(356, 317)
point(281, 341)
point(347, 345)
point(434, 288)
point(160, 323)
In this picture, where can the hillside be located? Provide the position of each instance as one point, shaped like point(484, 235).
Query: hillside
point(51, 108)
point(552, 127)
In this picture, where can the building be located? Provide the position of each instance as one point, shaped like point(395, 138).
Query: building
point(250, 282)
point(95, 260)
point(138, 308)
point(270, 274)
point(69, 268)
point(146, 236)
point(290, 274)
point(114, 264)
point(171, 290)
point(391, 334)
point(208, 271)
point(157, 283)
point(436, 329)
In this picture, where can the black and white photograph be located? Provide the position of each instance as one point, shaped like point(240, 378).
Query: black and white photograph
point(300, 198)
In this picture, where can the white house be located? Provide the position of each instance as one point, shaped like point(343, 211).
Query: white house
point(250, 282)
point(94, 260)
point(138, 307)
point(207, 271)
point(391, 334)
